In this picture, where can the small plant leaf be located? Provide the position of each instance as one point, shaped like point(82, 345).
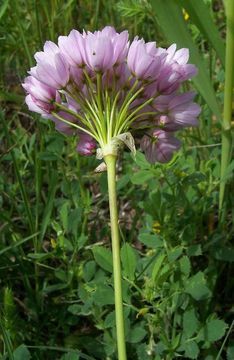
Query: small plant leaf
point(213, 330)
point(129, 261)
point(190, 323)
point(197, 288)
point(21, 353)
point(103, 258)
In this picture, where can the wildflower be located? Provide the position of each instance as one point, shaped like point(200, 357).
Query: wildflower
point(104, 90)
point(86, 144)
point(159, 146)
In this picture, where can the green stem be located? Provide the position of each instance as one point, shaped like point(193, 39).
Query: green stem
point(111, 173)
point(228, 96)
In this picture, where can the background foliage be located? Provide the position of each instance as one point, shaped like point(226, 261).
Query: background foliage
point(56, 291)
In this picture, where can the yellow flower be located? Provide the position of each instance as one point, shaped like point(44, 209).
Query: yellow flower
point(186, 15)
point(156, 227)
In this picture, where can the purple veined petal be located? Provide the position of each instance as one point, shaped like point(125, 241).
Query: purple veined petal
point(187, 71)
point(67, 47)
point(62, 70)
point(141, 62)
point(33, 71)
point(168, 124)
point(133, 53)
point(170, 53)
point(149, 148)
point(109, 31)
point(72, 47)
point(120, 44)
point(189, 108)
point(86, 145)
point(40, 56)
point(72, 104)
point(51, 48)
point(77, 75)
point(161, 102)
point(180, 112)
point(46, 74)
point(165, 151)
point(159, 146)
point(181, 99)
point(167, 145)
point(188, 116)
point(80, 44)
point(99, 53)
point(151, 48)
point(32, 106)
point(39, 90)
point(181, 56)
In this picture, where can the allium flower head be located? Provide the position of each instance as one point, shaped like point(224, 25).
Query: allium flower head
point(105, 90)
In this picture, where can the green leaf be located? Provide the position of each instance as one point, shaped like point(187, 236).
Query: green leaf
point(213, 330)
point(40, 256)
point(56, 287)
point(230, 352)
point(175, 253)
point(89, 270)
point(141, 161)
point(49, 205)
point(81, 241)
point(197, 288)
point(17, 243)
point(3, 8)
point(137, 334)
point(185, 265)
point(200, 15)
point(191, 350)
point(64, 210)
point(129, 261)
point(194, 250)
point(157, 267)
point(21, 353)
point(103, 258)
point(104, 295)
point(170, 18)
point(152, 241)
point(223, 253)
point(228, 174)
point(74, 309)
point(110, 318)
point(190, 323)
point(70, 356)
point(141, 177)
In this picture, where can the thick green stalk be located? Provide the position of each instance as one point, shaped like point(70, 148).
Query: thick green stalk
point(111, 173)
point(228, 96)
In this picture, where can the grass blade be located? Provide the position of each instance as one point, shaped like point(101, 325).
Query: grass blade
point(21, 184)
point(18, 243)
point(49, 205)
point(201, 17)
point(169, 16)
point(228, 97)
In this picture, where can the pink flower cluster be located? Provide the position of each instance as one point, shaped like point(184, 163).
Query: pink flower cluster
point(99, 85)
